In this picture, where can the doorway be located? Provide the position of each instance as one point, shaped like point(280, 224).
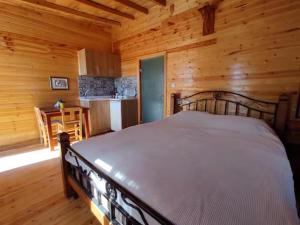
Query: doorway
point(152, 88)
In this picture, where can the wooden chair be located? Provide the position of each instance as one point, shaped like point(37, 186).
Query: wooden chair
point(43, 127)
point(71, 122)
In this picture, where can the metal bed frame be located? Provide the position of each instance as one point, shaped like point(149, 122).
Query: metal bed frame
point(77, 180)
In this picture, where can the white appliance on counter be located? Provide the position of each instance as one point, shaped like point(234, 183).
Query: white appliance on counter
point(115, 115)
point(123, 113)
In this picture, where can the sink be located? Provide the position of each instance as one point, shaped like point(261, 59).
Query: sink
point(95, 97)
point(109, 97)
point(125, 97)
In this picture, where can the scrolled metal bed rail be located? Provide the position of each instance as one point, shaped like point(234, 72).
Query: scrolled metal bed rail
point(114, 191)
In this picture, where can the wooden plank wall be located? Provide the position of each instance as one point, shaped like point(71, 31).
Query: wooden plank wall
point(255, 50)
point(34, 45)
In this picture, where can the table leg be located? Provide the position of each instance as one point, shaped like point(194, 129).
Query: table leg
point(86, 124)
point(49, 131)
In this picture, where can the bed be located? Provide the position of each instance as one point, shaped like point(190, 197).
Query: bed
point(215, 161)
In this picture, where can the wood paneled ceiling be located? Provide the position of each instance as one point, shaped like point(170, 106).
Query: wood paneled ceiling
point(111, 12)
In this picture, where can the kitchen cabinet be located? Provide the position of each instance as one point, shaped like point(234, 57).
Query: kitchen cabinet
point(123, 113)
point(94, 63)
point(99, 115)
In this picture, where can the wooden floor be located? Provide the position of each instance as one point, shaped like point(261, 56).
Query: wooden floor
point(33, 195)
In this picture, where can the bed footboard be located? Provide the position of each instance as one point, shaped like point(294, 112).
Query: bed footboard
point(114, 205)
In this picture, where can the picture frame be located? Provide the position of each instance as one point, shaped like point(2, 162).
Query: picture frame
point(59, 83)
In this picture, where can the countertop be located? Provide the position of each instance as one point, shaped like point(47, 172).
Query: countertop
point(106, 98)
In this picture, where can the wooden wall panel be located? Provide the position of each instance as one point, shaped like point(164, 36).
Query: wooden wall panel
point(35, 45)
point(129, 67)
point(157, 14)
point(48, 26)
point(255, 49)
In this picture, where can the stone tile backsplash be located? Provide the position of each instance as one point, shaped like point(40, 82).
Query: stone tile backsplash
point(126, 86)
point(98, 86)
point(95, 86)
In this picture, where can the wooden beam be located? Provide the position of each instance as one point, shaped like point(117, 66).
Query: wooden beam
point(74, 12)
point(216, 3)
point(208, 15)
point(193, 45)
point(133, 5)
point(106, 8)
point(160, 2)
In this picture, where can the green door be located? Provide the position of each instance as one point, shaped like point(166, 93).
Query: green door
point(152, 89)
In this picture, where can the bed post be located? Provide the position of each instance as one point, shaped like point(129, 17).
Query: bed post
point(172, 104)
point(282, 115)
point(64, 143)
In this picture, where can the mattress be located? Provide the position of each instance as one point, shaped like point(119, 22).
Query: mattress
point(199, 168)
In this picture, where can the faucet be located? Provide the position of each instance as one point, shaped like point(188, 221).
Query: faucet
point(86, 92)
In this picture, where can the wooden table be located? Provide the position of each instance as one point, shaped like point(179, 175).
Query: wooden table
point(49, 112)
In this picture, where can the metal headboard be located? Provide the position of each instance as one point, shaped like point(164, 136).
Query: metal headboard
point(231, 103)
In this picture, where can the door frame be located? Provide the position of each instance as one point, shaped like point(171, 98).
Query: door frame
point(139, 88)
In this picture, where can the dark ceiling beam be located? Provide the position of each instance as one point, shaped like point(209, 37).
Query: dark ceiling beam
point(133, 5)
point(208, 14)
point(60, 8)
point(160, 2)
point(106, 8)
point(216, 3)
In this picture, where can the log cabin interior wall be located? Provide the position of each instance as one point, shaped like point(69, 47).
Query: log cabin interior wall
point(35, 44)
point(255, 49)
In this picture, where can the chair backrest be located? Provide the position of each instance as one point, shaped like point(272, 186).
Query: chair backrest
point(40, 121)
point(71, 116)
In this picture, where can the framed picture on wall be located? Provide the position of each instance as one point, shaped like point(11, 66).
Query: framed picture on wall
point(59, 83)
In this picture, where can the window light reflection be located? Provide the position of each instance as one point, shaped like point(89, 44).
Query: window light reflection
point(104, 165)
point(24, 159)
point(120, 176)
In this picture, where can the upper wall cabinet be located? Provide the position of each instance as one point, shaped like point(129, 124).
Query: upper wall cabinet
point(95, 63)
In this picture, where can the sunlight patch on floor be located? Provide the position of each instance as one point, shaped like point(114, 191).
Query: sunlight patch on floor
point(24, 159)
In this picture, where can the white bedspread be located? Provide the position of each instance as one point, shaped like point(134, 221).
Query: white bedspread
point(197, 168)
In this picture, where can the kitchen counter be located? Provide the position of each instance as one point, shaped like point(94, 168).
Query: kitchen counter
point(105, 98)
point(107, 113)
